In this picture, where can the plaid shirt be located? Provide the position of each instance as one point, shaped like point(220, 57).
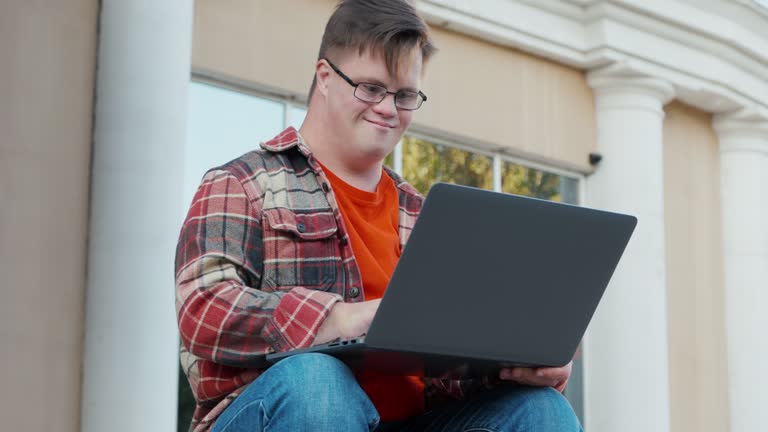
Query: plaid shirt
point(262, 257)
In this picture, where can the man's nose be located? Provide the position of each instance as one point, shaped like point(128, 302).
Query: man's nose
point(386, 106)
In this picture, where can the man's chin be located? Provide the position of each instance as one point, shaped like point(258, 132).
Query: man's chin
point(377, 145)
point(375, 153)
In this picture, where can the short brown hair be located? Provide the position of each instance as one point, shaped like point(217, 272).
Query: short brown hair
point(391, 27)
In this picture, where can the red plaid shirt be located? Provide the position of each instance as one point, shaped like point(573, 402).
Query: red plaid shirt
point(262, 257)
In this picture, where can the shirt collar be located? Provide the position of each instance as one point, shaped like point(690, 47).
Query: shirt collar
point(290, 138)
point(287, 139)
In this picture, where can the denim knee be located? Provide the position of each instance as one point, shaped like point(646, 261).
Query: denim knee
point(547, 406)
point(315, 372)
point(321, 390)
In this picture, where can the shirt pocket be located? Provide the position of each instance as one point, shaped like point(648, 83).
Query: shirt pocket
point(300, 249)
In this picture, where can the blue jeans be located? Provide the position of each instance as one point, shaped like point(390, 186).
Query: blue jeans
point(316, 392)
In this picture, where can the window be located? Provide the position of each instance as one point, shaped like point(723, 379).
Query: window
point(426, 163)
point(295, 116)
point(521, 180)
point(223, 124)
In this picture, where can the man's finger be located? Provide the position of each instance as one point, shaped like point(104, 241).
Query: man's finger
point(543, 377)
point(552, 373)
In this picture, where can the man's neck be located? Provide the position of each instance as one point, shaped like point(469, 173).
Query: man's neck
point(365, 176)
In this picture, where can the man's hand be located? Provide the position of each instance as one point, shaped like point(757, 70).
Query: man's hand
point(539, 377)
point(347, 320)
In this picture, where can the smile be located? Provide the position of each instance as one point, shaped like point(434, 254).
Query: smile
point(380, 124)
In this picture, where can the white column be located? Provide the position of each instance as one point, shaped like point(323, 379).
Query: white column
point(744, 200)
point(131, 345)
point(626, 372)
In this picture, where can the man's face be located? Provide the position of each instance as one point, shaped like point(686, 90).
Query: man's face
point(367, 132)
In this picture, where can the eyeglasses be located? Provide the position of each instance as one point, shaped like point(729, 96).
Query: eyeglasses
point(373, 93)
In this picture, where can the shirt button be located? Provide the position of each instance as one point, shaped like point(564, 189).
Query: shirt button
point(301, 227)
point(326, 188)
point(343, 241)
point(354, 292)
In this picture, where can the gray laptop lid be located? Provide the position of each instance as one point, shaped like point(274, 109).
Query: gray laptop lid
point(499, 277)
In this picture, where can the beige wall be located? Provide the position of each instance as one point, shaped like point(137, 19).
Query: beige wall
point(480, 94)
point(699, 400)
point(506, 98)
point(47, 54)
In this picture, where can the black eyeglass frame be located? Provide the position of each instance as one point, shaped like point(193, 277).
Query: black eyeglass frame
point(422, 96)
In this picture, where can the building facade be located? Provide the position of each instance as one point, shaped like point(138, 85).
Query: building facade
point(111, 112)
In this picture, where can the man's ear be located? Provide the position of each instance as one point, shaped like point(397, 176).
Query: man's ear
point(322, 76)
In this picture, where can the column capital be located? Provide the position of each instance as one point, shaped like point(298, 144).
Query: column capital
point(742, 130)
point(620, 86)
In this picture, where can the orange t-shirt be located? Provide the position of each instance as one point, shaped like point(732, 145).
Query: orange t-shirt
point(371, 219)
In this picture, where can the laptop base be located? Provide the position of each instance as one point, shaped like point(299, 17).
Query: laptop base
point(360, 357)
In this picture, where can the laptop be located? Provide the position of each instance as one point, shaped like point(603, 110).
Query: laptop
point(488, 280)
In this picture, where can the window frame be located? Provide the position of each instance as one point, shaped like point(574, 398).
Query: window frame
point(501, 157)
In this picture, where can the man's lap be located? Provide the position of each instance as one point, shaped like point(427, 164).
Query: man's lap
point(295, 395)
point(304, 392)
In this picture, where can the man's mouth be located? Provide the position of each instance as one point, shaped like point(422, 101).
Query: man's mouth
point(382, 124)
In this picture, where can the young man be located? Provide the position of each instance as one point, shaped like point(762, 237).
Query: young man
point(293, 244)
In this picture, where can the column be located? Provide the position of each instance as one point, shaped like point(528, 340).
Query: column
point(131, 344)
point(626, 372)
point(744, 200)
